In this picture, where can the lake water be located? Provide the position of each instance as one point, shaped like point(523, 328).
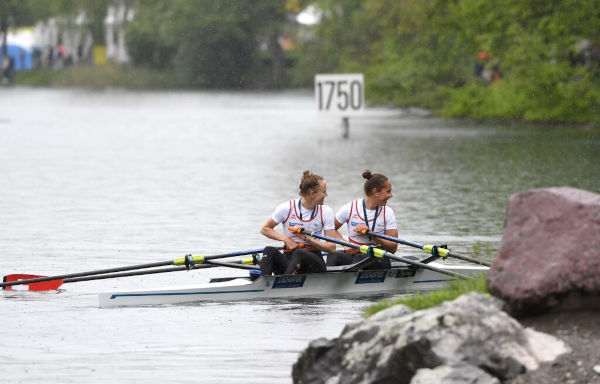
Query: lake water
point(99, 179)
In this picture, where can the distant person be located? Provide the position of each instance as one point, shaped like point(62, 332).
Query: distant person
point(369, 213)
point(60, 53)
point(8, 70)
point(480, 63)
point(37, 57)
point(309, 213)
point(50, 57)
point(484, 69)
point(68, 61)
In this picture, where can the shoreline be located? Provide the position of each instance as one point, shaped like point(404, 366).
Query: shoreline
point(578, 329)
point(135, 78)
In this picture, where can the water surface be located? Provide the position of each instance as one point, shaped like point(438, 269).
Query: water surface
point(97, 179)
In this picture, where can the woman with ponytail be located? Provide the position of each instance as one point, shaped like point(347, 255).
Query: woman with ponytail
point(302, 254)
point(369, 213)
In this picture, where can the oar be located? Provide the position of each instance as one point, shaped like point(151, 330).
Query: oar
point(242, 264)
point(127, 274)
point(53, 282)
point(432, 249)
point(376, 252)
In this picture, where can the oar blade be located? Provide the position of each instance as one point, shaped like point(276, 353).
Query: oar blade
point(50, 285)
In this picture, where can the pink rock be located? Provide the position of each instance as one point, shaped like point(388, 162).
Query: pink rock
point(550, 253)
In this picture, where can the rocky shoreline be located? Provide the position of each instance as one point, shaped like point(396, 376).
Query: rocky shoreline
point(470, 339)
point(581, 331)
point(539, 326)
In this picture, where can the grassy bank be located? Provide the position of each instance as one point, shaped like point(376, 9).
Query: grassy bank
point(100, 76)
point(431, 299)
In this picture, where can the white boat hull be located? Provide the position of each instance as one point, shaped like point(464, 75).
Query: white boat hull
point(394, 281)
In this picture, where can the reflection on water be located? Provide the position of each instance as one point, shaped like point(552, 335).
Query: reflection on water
point(92, 180)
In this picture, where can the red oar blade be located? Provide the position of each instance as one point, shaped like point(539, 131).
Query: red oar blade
point(50, 285)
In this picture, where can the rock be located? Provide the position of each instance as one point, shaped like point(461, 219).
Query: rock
point(390, 313)
point(550, 253)
point(455, 374)
point(596, 369)
point(467, 335)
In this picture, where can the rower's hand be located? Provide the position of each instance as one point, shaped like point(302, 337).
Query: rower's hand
point(361, 228)
point(290, 244)
point(350, 250)
point(297, 231)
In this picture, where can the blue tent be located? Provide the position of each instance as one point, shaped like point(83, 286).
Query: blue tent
point(22, 58)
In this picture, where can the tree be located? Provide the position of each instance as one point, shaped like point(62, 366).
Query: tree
point(210, 43)
point(422, 52)
point(14, 13)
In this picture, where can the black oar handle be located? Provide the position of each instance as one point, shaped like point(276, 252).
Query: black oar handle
point(421, 246)
point(390, 255)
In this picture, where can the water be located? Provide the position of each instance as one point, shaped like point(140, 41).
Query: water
point(97, 179)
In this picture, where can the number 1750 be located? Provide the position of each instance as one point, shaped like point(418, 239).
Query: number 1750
point(339, 94)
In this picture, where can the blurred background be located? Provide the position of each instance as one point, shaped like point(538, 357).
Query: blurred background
point(528, 60)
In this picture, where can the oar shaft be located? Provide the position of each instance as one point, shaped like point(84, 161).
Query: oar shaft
point(241, 264)
point(178, 261)
point(427, 248)
point(137, 273)
point(199, 259)
point(380, 253)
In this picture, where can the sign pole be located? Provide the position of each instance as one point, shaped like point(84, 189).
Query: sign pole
point(346, 125)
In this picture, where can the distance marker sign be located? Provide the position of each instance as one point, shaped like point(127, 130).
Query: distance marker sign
point(340, 94)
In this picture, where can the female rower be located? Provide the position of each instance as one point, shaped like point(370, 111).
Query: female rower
point(370, 213)
point(302, 253)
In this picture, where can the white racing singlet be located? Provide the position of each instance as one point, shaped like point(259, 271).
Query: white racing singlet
point(352, 214)
point(316, 220)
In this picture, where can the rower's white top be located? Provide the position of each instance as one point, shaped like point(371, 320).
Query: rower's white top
point(352, 214)
point(288, 214)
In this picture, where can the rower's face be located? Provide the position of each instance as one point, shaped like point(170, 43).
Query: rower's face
point(383, 195)
point(320, 193)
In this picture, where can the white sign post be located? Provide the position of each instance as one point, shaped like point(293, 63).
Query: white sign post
point(340, 94)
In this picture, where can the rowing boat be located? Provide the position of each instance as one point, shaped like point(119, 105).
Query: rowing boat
point(337, 281)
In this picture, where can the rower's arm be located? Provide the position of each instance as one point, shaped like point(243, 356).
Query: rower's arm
point(326, 246)
point(338, 225)
point(389, 246)
point(268, 230)
point(339, 236)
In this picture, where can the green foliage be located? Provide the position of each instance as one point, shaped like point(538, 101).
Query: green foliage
point(99, 76)
point(149, 42)
point(217, 45)
point(37, 77)
point(209, 43)
point(481, 249)
point(422, 52)
point(428, 300)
